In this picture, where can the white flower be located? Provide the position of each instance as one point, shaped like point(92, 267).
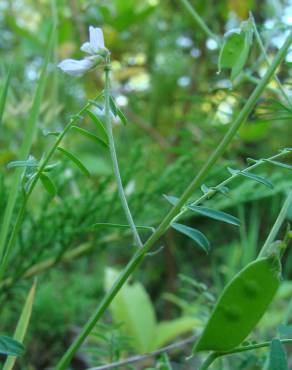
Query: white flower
point(95, 47)
point(96, 42)
point(77, 67)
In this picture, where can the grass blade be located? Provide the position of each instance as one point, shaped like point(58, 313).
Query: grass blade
point(4, 93)
point(22, 325)
point(25, 148)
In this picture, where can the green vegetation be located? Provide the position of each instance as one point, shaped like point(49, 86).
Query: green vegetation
point(145, 185)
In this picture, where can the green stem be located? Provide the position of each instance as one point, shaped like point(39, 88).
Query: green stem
point(115, 160)
point(213, 356)
point(197, 181)
point(216, 188)
point(276, 227)
point(20, 214)
point(264, 53)
point(199, 20)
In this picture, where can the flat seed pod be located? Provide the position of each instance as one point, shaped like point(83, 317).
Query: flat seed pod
point(242, 303)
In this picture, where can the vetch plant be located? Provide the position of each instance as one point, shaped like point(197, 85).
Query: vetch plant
point(261, 269)
point(95, 48)
point(247, 296)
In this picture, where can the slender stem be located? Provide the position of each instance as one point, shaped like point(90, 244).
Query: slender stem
point(19, 217)
point(115, 160)
point(139, 358)
point(209, 361)
point(213, 356)
point(264, 53)
point(277, 225)
point(197, 181)
point(199, 20)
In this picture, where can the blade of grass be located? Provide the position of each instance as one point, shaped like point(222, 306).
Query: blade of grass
point(22, 325)
point(25, 148)
point(4, 93)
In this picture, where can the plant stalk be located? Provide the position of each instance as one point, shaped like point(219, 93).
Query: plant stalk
point(276, 227)
point(213, 356)
point(115, 159)
point(199, 20)
point(197, 181)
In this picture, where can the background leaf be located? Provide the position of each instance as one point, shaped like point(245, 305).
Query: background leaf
point(133, 309)
point(278, 357)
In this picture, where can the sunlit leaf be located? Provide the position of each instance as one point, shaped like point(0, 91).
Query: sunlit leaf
point(133, 310)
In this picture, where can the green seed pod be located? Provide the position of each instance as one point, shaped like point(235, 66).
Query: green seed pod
point(242, 303)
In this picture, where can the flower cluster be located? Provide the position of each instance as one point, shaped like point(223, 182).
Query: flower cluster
point(97, 55)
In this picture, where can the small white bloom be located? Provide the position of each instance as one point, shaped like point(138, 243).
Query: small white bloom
point(95, 47)
point(76, 67)
point(96, 41)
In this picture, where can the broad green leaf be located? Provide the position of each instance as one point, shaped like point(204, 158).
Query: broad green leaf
point(48, 184)
point(101, 225)
point(216, 215)
point(75, 160)
point(9, 346)
point(99, 126)
point(252, 176)
point(22, 325)
point(194, 234)
point(133, 309)
point(30, 129)
point(278, 356)
point(279, 164)
point(171, 199)
point(168, 330)
point(4, 92)
point(89, 135)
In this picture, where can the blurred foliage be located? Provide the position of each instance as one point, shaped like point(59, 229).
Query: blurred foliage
point(178, 107)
